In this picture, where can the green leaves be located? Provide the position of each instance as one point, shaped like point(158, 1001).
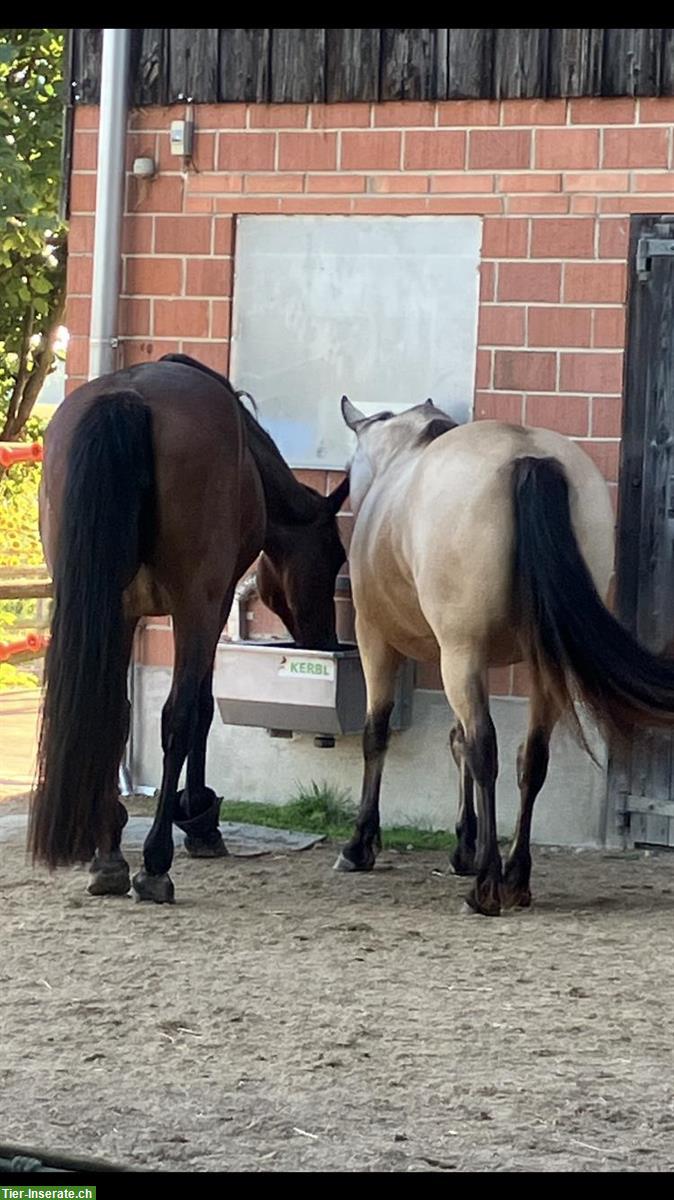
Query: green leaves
point(32, 238)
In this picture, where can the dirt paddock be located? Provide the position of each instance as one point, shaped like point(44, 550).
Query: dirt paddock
point(282, 1016)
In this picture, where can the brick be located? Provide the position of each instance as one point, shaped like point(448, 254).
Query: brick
point(155, 648)
point(247, 204)
point(562, 326)
point(462, 182)
point(352, 184)
point(427, 677)
point(85, 151)
point(597, 181)
point(613, 237)
point(591, 372)
point(635, 147)
point(656, 110)
point(565, 414)
point(487, 280)
point(221, 319)
point(80, 268)
point(434, 149)
point(208, 277)
point(500, 325)
point(521, 680)
point(537, 204)
point(77, 356)
point(505, 238)
point(398, 113)
point(533, 181)
point(387, 184)
point(654, 183)
point(570, 238)
point(499, 406)
point(142, 145)
point(73, 382)
point(581, 203)
point(469, 112)
point(78, 315)
point(534, 112)
point(307, 151)
point(274, 183)
point(182, 235)
point(606, 455)
point(223, 236)
point(339, 116)
point(246, 151)
point(464, 204)
point(204, 152)
point(161, 195)
point(602, 110)
point(181, 318)
point(216, 182)
point(607, 415)
point(199, 204)
point(86, 117)
point(313, 478)
point(529, 281)
point(635, 204)
point(80, 234)
point(153, 276)
point(524, 370)
point(609, 327)
point(213, 354)
point(317, 204)
point(389, 204)
point(220, 116)
point(83, 192)
point(372, 150)
point(484, 362)
point(155, 116)
point(278, 116)
point(134, 317)
point(137, 234)
point(594, 283)
point(499, 681)
point(566, 149)
point(499, 149)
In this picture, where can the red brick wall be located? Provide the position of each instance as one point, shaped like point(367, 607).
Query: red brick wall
point(554, 180)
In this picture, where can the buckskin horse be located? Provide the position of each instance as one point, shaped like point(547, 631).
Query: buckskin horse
point(159, 490)
point(482, 545)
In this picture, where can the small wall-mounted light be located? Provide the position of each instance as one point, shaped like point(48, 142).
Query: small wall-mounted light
point(144, 168)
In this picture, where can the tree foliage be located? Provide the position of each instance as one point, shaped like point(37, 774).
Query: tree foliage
point(32, 235)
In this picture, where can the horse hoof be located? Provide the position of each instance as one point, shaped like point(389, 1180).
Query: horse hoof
point(158, 888)
point(213, 847)
point(516, 898)
point(460, 867)
point(347, 864)
point(487, 907)
point(115, 882)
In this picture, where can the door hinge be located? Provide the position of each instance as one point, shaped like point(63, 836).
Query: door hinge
point(649, 248)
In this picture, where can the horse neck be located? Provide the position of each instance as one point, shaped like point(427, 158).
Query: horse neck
point(288, 501)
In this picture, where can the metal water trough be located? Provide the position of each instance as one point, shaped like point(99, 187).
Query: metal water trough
point(280, 687)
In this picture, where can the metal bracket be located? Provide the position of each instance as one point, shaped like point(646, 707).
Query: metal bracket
point(649, 248)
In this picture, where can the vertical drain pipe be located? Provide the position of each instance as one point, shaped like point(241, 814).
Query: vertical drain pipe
point(110, 179)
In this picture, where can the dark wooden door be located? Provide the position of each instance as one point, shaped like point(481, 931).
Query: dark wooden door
point(645, 562)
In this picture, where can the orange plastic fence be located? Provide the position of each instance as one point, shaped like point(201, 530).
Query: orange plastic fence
point(16, 452)
point(33, 643)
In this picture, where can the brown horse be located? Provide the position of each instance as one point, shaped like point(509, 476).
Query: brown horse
point(159, 490)
point(476, 546)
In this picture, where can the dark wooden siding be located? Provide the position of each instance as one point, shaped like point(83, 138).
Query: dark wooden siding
point(286, 65)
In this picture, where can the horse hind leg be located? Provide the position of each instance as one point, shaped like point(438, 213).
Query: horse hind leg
point(462, 859)
point(197, 805)
point(532, 767)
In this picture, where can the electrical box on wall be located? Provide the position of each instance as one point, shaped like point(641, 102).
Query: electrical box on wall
point(182, 138)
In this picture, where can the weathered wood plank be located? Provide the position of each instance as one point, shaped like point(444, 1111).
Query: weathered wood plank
point(149, 74)
point(667, 58)
point(352, 64)
point(632, 62)
point(520, 60)
point(409, 64)
point(87, 66)
point(245, 65)
point(193, 65)
point(575, 62)
point(297, 65)
point(470, 57)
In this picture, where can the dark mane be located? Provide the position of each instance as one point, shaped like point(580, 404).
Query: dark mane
point(288, 501)
point(435, 429)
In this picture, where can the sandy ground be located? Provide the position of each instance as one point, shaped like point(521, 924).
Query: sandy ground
point(282, 1016)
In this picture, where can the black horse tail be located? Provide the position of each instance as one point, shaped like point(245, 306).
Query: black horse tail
point(575, 646)
point(102, 523)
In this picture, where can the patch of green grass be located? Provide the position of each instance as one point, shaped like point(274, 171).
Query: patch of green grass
point(320, 808)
